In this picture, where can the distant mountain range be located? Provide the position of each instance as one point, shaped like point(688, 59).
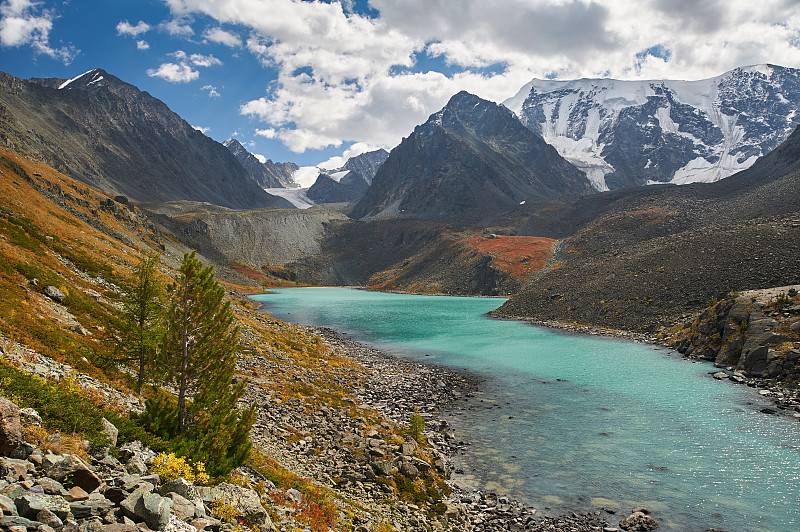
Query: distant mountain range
point(267, 174)
point(626, 133)
point(470, 160)
point(105, 132)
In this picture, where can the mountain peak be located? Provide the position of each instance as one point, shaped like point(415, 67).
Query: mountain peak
point(637, 132)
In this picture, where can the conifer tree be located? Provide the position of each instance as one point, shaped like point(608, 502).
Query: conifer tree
point(198, 351)
point(139, 328)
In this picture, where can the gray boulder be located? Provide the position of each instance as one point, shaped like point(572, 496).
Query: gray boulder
point(7, 506)
point(147, 507)
point(111, 431)
point(247, 504)
point(181, 486)
point(6, 523)
point(10, 427)
point(55, 294)
point(30, 504)
point(77, 471)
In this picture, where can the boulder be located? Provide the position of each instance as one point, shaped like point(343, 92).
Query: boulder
point(638, 521)
point(49, 518)
point(136, 449)
point(111, 431)
point(55, 294)
point(76, 471)
point(52, 487)
point(10, 427)
point(7, 506)
point(409, 470)
point(182, 507)
point(30, 504)
point(382, 468)
point(11, 522)
point(408, 447)
point(247, 503)
point(181, 486)
point(150, 508)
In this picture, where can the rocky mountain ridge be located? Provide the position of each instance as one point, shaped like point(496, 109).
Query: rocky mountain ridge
point(108, 133)
point(470, 160)
point(267, 174)
point(627, 133)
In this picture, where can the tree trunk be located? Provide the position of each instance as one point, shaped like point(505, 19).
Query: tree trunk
point(184, 361)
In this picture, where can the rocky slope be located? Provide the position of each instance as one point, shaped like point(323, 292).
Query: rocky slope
point(470, 160)
point(108, 133)
point(423, 256)
point(624, 133)
point(266, 174)
point(753, 334)
point(255, 237)
point(645, 258)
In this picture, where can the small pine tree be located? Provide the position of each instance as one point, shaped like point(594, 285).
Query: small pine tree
point(198, 357)
point(138, 330)
point(416, 426)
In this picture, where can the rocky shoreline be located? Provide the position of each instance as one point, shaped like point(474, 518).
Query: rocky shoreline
point(396, 387)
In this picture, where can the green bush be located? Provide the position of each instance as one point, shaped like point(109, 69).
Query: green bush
point(63, 407)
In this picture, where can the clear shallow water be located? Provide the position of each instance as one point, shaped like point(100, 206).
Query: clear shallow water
point(576, 422)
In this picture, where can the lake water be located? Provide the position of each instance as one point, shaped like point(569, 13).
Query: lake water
point(575, 422)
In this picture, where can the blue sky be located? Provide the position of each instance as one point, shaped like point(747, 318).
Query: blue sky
point(306, 81)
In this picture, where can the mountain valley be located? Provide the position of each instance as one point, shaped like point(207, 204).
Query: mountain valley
point(664, 211)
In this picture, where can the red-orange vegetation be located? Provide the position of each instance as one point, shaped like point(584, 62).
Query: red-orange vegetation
point(519, 256)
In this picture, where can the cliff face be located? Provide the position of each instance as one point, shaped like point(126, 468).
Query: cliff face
point(755, 334)
point(256, 237)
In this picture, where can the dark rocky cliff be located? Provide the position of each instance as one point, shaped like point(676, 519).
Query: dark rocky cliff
point(468, 161)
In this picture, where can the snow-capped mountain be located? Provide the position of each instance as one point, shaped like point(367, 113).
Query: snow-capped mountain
point(624, 133)
point(348, 183)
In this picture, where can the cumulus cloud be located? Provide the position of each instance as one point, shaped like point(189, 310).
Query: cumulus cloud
point(221, 36)
point(202, 129)
point(126, 28)
point(25, 23)
point(269, 133)
point(344, 77)
point(142, 45)
point(174, 72)
point(353, 151)
point(183, 71)
point(204, 60)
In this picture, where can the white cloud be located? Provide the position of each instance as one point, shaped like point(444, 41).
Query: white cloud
point(142, 45)
point(353, 151)
point(24, 23)
point(202, 129)
point(212, 91)
point(126, 28)
point(260, 157)
point(342, 77)
point(221, 36)
point(204, 60)
point(174, 73)
point(183, 71)
point(267, 133)
point(177, 27)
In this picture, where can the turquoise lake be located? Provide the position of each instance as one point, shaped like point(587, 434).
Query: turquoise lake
point(576, 422)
